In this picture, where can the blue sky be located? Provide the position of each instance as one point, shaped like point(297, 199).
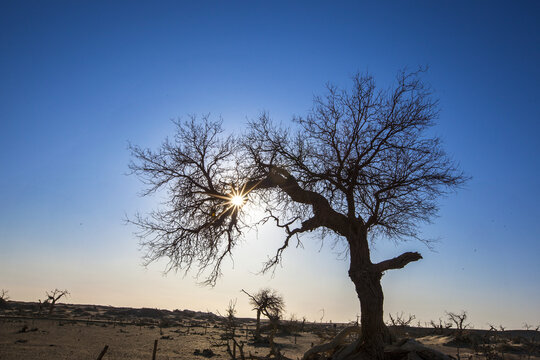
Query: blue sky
point(79, 79)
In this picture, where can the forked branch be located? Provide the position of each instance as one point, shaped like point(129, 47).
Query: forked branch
point(307, 225)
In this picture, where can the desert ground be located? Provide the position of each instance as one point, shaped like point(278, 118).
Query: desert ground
point(82, 332)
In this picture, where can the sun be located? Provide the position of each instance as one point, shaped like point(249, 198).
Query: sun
point(234, 200)
point(237, 200)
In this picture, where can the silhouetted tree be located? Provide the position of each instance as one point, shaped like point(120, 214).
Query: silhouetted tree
point(400, 320)
point(458, 320)
point(4, 297)
point(360, 166)
point(268, 303)
point(53, 297)
point(441, 326)
point(231, 324)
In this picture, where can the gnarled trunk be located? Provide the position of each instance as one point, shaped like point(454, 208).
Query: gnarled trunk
point(366, 277)
point(374, 332)
point(367, 281)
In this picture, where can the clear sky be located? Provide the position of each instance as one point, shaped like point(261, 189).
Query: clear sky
point(79, 79)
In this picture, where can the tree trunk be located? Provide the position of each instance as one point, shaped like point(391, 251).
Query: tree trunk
point(258, 325)
point(367, 281)
point(374, 333)
point(51, 307)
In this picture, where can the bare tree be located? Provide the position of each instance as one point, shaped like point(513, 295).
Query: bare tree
point(53, 297)
point(530, 327)
point(458, 320)
point(531, 344)
point(231, 322)
point(440, 327)
point(359, 167)
point(228, 340)
point(400, 320)
point(268, 303)
point(4, 297)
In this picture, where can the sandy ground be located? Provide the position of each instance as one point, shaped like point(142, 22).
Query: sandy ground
point(82, 331)
point(438, 342)
point(51, 339)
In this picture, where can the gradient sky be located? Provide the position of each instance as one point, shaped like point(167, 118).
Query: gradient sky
point(81, 79)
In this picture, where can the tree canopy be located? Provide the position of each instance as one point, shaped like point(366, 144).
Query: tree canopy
point(362, 157)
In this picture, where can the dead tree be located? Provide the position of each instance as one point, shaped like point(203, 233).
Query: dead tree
point(231, 323)
point(400, 322)
point(4, 297)
point(268, 303)
point(360, 166)
point(53, 297)
point(230, 343)
point(531, 345)
point(274, 317)
point(441, 326)
point(459, 321)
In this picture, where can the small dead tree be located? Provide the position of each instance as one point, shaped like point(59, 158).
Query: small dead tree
point(231, 323)
point(493, 335)
point(400, 322)
point(268, 303)
point(4, 297)
point(230, 342)
point(459, 321)
point(531, 341)
point(440, 327)
point(274, 316)
point(53, 297)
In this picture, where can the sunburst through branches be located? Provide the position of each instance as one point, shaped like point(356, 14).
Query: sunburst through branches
point(233, 200)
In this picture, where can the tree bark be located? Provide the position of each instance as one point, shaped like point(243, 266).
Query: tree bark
point(366, 277)
point(367, 281)
point(374, 333)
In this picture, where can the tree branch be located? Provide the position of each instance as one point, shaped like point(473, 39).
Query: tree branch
point(323, 212)
point(398, 262)
point(307, 225)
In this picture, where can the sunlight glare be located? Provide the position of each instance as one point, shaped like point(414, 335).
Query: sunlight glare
point(237, 200)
